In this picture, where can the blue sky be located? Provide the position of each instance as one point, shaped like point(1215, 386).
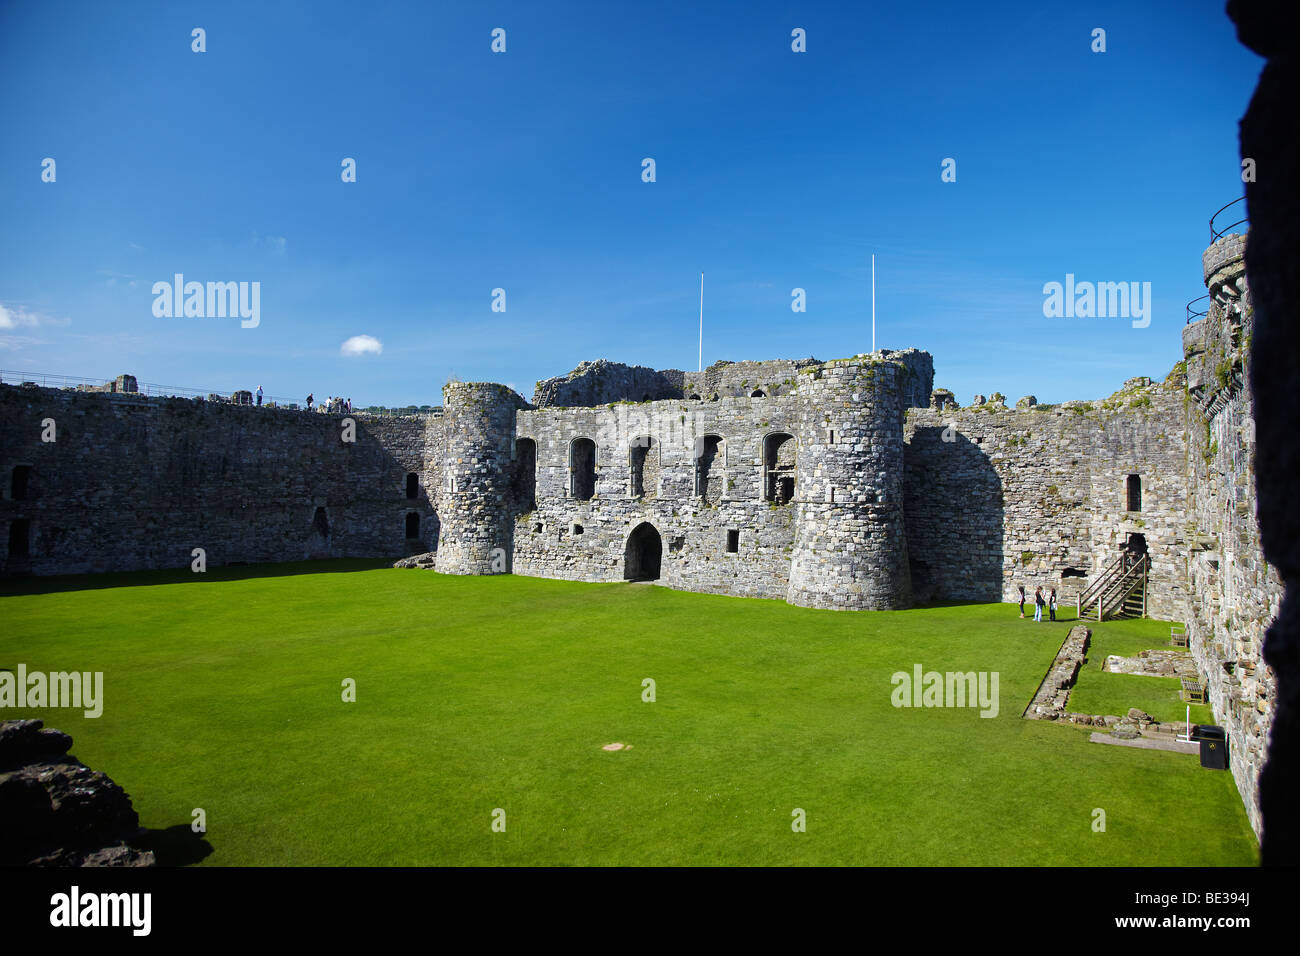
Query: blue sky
point(522, 171)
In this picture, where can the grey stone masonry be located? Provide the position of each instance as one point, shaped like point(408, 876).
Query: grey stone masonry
point(476, 498)
point(849, 484)
point(1053, 693)
point(693, 471)
point(1039, 496)
point(132, 483)
point(850, 543)
point(743, 379)
point(1233, 593)
point(602, 382)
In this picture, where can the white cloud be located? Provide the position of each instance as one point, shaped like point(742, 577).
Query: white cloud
point(276, 244)
point(361, 345)
point(16, 317)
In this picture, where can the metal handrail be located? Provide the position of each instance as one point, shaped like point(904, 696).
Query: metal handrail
point(1127, 582)
point(1193, 315)
point(150, 390)
point(1098, 585)
point(145, 389)
point(1117, 587)
point(1114, 581)
point(1217, 234)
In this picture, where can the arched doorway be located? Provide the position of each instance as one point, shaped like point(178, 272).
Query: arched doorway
point(643, 555)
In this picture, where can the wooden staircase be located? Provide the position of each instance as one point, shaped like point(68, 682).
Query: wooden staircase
point(1119, 591)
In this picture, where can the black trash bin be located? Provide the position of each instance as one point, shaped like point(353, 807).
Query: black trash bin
point(1214, 746)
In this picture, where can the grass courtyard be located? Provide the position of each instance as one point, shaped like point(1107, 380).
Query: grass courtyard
point(1100, 692)
point(224, 692)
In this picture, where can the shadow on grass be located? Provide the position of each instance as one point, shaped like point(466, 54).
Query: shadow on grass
point(233, 572)
point(175, 846)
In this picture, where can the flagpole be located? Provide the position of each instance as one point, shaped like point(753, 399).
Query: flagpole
point(701, 361)
point(873, 302)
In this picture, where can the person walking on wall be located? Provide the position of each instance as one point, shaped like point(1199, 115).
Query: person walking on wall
point(1038, 604)
point(1051, 605)
point(1022, 600)
point(309, 401)
point(259, 395)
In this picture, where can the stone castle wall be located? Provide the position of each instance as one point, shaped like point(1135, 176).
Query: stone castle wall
point(133, 483)
point(603, 382)
point(1233, 594)
point(835, 487)
point(1037, 496)
point(475, 496)
point(564, 537)
point(850, 544)
point(741, 379)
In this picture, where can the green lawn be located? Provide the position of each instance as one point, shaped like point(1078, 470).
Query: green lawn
point(223, 692)
point(1100, 692)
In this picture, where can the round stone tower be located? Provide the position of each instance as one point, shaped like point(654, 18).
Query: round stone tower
point(476, 533)
point(850, 546)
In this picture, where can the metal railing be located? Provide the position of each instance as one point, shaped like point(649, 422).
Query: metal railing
point(1098, 587)
point(150, 390)
point(1218, 232)
point(1194, 312)
point(1120, 579)
point(145, 389)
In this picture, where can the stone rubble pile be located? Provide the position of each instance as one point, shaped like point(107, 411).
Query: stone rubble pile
point(56, 811)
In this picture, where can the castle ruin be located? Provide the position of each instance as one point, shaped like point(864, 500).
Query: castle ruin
point(845, 484)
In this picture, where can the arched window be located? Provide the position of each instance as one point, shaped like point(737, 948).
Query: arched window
point(18, 483)
point(779, 468)
point(525, 477)
point(1133, 493)
point(582, 469)
point(412, 485)
point(19, 538)
point(758, 393)
point(710, 466)
point(643, 467)
point(412, 525)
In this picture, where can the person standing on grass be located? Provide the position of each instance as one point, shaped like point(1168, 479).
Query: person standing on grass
point(1051, 605)
point(1038, 604)
point(1022, 600)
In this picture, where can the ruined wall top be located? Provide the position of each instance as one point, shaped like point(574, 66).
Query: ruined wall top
point(603, 382)
point(1227, 251)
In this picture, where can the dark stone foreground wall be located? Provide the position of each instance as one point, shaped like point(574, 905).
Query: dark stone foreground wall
point(133, 483)
point(1270, 137)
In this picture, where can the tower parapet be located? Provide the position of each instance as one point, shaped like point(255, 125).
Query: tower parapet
point(476, 534)
point(850, 547)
